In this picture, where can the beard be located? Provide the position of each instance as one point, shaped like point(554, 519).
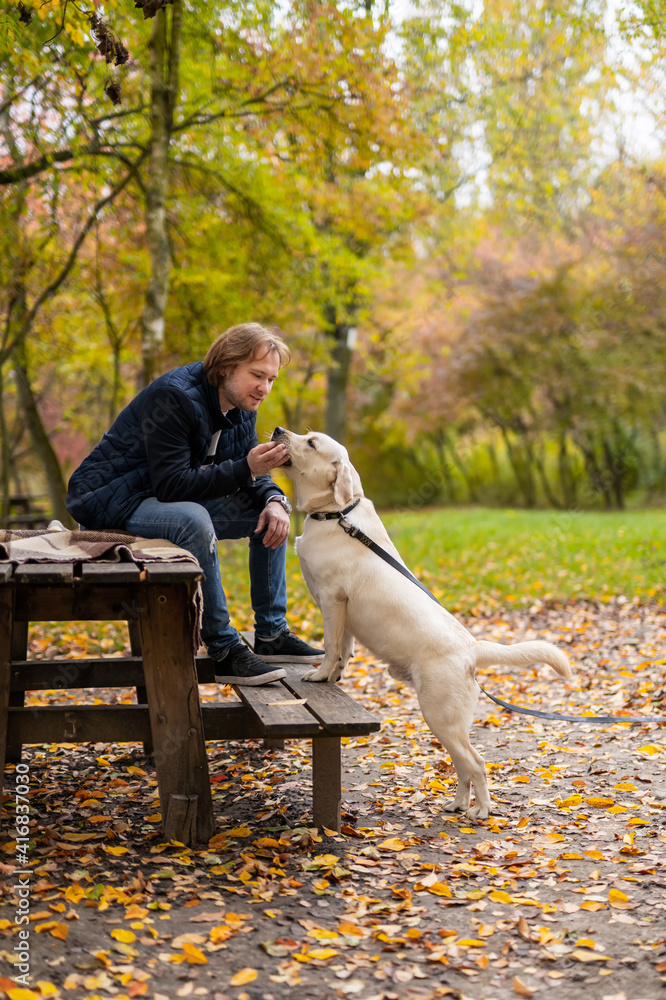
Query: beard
point(237, 397)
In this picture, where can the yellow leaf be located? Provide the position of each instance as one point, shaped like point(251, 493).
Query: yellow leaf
point(240, 831)
point(595, 855)
point(194, 955)
point(573, 800)
point(521, 989)
point(617, 809)
point(122, 935)
point(439, 889)
point(60, 931)
point(116, 851)
point(324, 861)
point(46, 989)
point(579, 955)
point(392, 844)
point(132, 769)
point(243, 977)
point(599, 803)
point(617, 899)
point(592, 905)
point(586, 943)
point(649, 749)
point(74, 893)
point(499, 896)
point(323, 953)
point(470, 943)
point(554, 838)
point(20, 994)
point(322, 934)
point(625, 786)
point(352, 930)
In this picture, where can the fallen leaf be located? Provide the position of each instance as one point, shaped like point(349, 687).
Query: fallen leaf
point(244, 977)
point(580, 955)
point(521, 989)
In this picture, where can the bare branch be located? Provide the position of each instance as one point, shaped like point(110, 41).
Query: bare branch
point(54, 285)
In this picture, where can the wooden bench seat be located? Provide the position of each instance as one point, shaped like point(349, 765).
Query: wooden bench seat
point(153, 602)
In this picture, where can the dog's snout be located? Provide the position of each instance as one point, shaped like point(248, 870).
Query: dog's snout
point(278, 432)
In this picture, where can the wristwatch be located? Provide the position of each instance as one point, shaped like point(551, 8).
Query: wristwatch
point(279, 498)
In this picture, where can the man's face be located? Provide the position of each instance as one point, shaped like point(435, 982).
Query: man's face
point(247, 385)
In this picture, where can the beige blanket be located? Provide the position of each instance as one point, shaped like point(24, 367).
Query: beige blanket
point(56, 544)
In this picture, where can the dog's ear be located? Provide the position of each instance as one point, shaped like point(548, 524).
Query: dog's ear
point(343, 490)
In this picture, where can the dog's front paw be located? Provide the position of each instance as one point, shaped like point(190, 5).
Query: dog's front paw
point(478, 812)
point(316, 675)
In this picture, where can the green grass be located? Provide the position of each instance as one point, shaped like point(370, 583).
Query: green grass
point(478, 559)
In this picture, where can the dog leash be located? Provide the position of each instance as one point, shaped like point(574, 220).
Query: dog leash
point(354, 532)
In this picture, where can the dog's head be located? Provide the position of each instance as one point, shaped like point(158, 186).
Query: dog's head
point(324, 479)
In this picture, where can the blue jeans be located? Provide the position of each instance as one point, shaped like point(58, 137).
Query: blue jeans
point(196, 527)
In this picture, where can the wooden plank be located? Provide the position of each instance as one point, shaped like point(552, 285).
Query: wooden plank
point(205, 669)
point(327, 782)
point(6, 569)
point(92, 672)
point(173, 699)
point(278, 710)
point(77, 603)
point(108, 572)
point(337, 712)
point(233, 721)
point(118, 723)
point(79, 724)
point(171, 572)
point(98, 672)
point(44, 574)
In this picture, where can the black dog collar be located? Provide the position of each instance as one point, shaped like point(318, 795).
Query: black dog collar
point(332, 515)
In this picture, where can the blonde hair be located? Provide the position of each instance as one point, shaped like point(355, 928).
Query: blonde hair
point(239, 344)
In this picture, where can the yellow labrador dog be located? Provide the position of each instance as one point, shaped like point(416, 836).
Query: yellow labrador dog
point(362, 596)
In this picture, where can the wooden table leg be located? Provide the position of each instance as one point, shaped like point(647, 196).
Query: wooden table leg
point(135, 649)
point(327, 781)
point(6, 629)
point(175, 713)
point(19, 651)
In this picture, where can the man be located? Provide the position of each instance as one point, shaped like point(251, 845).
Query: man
point(182, 461)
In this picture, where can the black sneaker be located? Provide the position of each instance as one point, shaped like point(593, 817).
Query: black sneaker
point(286, 648)
point(241, 666)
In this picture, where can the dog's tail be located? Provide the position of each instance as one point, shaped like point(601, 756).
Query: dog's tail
point(522, 654)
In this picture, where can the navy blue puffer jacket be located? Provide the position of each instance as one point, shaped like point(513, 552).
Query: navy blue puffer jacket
point(156, 448)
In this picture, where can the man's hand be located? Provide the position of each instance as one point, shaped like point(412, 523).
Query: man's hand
point(265, 457)
point(275, 516)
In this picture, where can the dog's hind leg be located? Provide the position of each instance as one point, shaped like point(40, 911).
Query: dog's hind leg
point(452, 732)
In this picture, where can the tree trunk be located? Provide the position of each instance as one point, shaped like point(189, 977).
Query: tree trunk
point(338, 379)
point(165, 45)
point(4, 454)
point(523, 475)
point(55, 482)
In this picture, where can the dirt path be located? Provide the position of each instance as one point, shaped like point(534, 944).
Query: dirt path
point(561, 893)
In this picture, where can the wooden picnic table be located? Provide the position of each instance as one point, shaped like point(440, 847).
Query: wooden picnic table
point(27, 511)
point(168, 717)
